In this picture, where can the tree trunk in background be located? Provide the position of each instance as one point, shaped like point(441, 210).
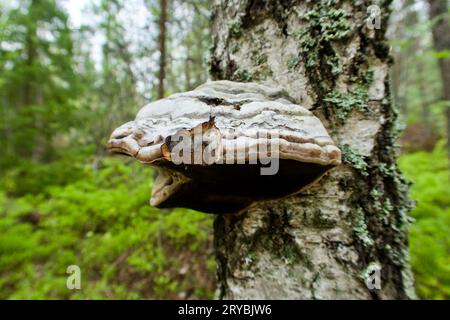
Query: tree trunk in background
point(29, 88)
point(162, 47)
point(425, 103)
point(411, 20)
point(399, 74)
point(441, 39)
point(321, 243)
point(32, 91)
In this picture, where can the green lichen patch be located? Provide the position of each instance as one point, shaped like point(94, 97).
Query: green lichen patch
point(386, 171)
point(330, 23)
point(397, 257)
point(259, 58)
point(383, 206)
point(322, 25)
point(360, 228)
point(235, 28)
point(289, 252)
point(282, 247)
point(262, 69)
point(354, 159)
point(293, 62)
point(242, 75)
point(343, 104)
point(387, 206)
point(273, 238)
point(321, 221)
point(250, 259)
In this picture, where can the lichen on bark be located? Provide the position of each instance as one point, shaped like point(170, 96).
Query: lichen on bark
point(319, 243)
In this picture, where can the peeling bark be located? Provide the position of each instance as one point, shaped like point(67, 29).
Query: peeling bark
point(317, 244)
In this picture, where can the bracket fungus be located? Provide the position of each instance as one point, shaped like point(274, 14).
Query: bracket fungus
point(225, 145)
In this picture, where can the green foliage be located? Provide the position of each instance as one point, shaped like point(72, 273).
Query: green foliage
point(445, 54)
point(97, 217)
point(37, 79)
point(429, 236)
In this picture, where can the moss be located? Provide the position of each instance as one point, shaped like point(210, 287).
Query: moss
point(235, 28)
point(354, 159)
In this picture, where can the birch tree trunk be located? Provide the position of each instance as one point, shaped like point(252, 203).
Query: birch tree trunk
point(325, 242)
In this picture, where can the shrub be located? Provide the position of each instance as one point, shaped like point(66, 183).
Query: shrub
point(429, 235)
point(98, 217)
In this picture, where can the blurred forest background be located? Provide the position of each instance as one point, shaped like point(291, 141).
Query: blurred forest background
point(71, 71)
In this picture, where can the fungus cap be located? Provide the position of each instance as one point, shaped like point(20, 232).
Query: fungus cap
point(225, 145)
